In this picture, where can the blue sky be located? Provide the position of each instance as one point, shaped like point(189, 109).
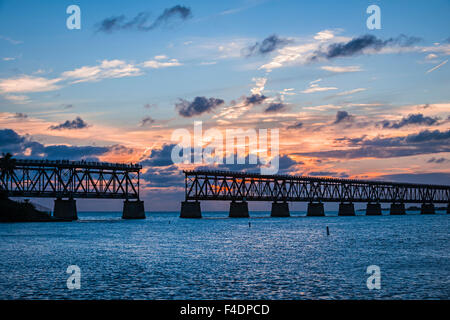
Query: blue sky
point(113, 81)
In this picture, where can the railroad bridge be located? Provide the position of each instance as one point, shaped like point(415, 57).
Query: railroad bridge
point(66, 180)
point(281, 189)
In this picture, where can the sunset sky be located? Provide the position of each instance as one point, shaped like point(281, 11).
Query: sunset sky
point(348, 101)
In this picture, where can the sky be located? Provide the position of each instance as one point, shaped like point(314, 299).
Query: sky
point(348, 101)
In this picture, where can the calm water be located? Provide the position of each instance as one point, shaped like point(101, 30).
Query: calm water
point(165, 257)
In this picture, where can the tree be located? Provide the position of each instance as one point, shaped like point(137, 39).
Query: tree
point(7, 165)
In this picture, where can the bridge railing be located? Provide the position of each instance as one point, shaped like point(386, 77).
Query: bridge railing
point(71, 179)
point(225, 185)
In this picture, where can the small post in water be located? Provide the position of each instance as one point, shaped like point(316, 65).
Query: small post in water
point(328, 231)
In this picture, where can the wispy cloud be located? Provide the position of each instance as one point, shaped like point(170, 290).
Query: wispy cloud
point(268, 45)
point(10, 40)
point(349, 92)
point(106, 69)
point(141, 21)
point(314, 87)
point(28, 84)
point(342, 69)
point(78, 123)
point(437, 67)
point(157, 63)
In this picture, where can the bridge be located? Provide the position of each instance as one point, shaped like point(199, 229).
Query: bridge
point(66, 180)
point(281, 189)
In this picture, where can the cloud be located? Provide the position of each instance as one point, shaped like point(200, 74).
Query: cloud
point(10, 40)
point(20, 115)
point(328, 174)
point(254, 99)
point(359, 44)
point(324, 35)
point(268, 45)
point(343, 116)
point(412, 119)
point(431, 56)
point(286, 165)
point(141, 21)
point(275, 107)
point(105, 70)
point(424, 142)
point(314, 87)
point(296, 125)
point(437, 67)
point(146, 121)
point(157, 63)
point(349, 92)
point(198, 106)
point(78, 123)
point(322, 49)
point(438, 160)
point(24, 147)
point(163, 177)
point(160, 157)
point(342, 69)
point(28, 84)
point(441, 178)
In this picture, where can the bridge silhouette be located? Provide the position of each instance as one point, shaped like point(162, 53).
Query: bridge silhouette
point(66, 180)
point(280, 189)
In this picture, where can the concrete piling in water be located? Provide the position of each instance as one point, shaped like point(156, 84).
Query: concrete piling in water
point(315, 209)
point(397, 209)
point(190, 210)
point(280, 209)
point(328, 231)
point(133, 210)
point(448, 208)
point(65, 209)
point(346, 209)
point(373, 209)
point(427, 208)
point(239, 209)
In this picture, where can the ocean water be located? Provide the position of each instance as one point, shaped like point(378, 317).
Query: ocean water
point(165, 257)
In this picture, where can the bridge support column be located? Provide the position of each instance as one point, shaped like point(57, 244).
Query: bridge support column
point(373, 209)
point(427, 208)
point(315, 209)
point(190, 210)
point(280, 209)
point(239, 209)
point(448, 208)
point(346, 209)
point(65, 209)
point(397, 209)
point(133, 210)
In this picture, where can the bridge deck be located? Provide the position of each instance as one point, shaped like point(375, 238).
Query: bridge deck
point(70, 179)
point(225, 185)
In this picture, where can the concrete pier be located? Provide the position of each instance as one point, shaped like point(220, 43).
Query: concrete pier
point(346, 209)
point(397, 209)
point(280, 209)
point(315, 209)
point(448, 208)
point(239, 209)
point(133, 210)
point(373, 209)
point(190, 210)
point(65, 209)
point(427, 208)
